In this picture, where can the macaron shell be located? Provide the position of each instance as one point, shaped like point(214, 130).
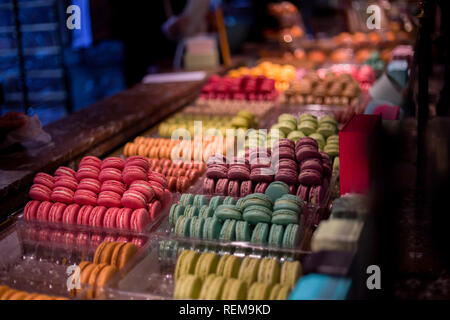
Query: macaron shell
point(123, 218)
point(43, 211)
point(30, 210)
point(139, 219)
point(40, 192)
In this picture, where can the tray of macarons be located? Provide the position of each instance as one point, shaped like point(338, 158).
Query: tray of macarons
point(193, 269)
point(109, 197)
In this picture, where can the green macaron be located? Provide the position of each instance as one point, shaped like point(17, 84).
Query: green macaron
point(328, 119)
point(295, 135)
point(290, 202)
point(215, 202)
point(206, 212)
point(332, 150)
point(260, 233)
point(211, 229)
point(242, 231)
point(228, 232)
point(200, 200)
point(287, 117)
point(284, 217)
point(307, 116)
point(227, 211)
point(326, 129)
point(277, 189)
point(182, 227)
point(191, 211)
point(187, 199)
point(229, 200)
point(276, 235)
point(256, 213)
point(333, 139)
point(319, 138)
point(176, 211)
point(290, 237)
point(196, 227)
point(260, 199)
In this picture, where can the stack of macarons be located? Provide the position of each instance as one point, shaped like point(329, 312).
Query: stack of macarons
point(76, 239)
point(192, 148)
point(8, 293)
point(332, 146)
point(112, 193)
point(228, 277)
point(315, 171)
point(307, 125)
point(272, 218)
point(184, 121)
point(109, 257)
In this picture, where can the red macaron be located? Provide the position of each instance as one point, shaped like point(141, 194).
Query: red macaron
point(43, 210)
point(109, 199)
point(40, 192)
point(154, 209)
point(123, 219)
point(56, 212)
point(137, 161)
point(67, 182)
point(133, 199)
point(91, 161)
point(143, 187)
point(82, 239)
point(110, 174)
point(96, 217)
point(109, 221)
point(85, 197)
point(87, 171)
point(114, 186)
point(44, 179)
point(30, 210)
point(62, 194)
point(113, 162)
point(133, 173)
point(158, 177)
point(70, 214)
point(90, 184)
point(139, 220)
point(65, 171)
point(84, 214)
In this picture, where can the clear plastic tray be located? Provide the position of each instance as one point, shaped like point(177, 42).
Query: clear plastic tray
point(150, 276)
point(34, 260)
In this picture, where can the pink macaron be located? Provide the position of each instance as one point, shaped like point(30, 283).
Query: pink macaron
point(85, 197)
point(91, 161)
point(96, 217)
point(96, 239)
point(139, 220)
point(123, 239)
point(70, 214)
point(133, 199)
point(65, 171)
point(114, 186)
point(43, 210)
point(87, 171)
point(154, 209)
point(109, 199)
point(110, 174)
point(84, 214)
point(138, 161)
point(30, 210)
point(56, 212)
point(44, 179)
point(133, 173)
point(69, 239)
point(109, 221)
point(167, 198)
point(56, 236)
point(40, 192)
point(62, 194)
point(123, 218)
point(44, 235)
point(143, 187)
point(67, 182)
point(157, 177)
point(90, 184)
point(138, 241)
point(110, 238)
point(159, 191)
point(113, 162)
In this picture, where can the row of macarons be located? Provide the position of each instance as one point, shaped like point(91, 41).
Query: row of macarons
point(275, 206)
point(80, 240)
point(247, 272)
point(8, 293)
point(93, 216)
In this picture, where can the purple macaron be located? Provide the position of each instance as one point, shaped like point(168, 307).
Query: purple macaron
point(283, 153)
point(284, 142)
point(314, 164)
point(306, 141)
point(316, 195)
point(307, 152)
point(288, 176)
point(209, 186)
point(262, 175)
point(222, 187)
point(217, 159)
point(246, 188)
point(233, 188)
point(238, 172)
point(310, 177)
point(261, 187)
point(286, 164)
point(217, 171)
point(303, 192)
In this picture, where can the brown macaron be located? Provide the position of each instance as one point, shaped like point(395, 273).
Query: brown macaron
point(7, 294)
point(104, 252)
point(3, 289)
point(19, 295)
point(93, 279)
point(103, 277)
point(122, 254)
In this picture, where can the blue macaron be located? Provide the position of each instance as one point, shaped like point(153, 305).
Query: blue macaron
point(291, 236)
point(228, 232)
point(256, 213)
point(260, 233)
point(227, 211)
point(276, 190)
point(242, 231)
point(284, 217)
point(276, 235)
point(211, 228)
